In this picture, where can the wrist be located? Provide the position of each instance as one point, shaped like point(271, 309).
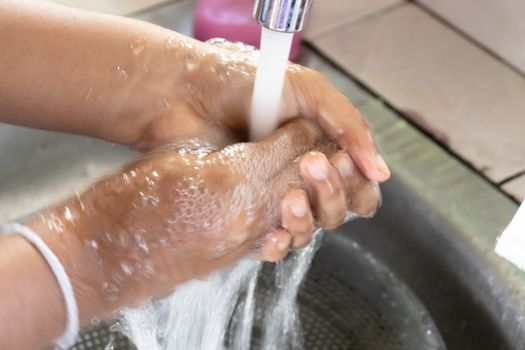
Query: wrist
point(157, 108)
point(29, 296)
point(64, 231)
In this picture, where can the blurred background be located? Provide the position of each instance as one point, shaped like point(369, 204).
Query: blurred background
point(452, 69)
point(442, 83)
point(455, 68)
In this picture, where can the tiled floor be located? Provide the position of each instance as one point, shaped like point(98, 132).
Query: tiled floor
point(498, 25)
point(328, 14)
point(472, 102)
point(516, 188)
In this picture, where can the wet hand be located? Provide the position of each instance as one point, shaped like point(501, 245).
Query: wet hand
point(185, 210)
point(213, 90)
point(333, 191)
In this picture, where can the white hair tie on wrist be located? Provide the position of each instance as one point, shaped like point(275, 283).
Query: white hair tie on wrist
point(70, 333)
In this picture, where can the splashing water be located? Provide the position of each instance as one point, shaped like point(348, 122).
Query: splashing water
point(196, 316)
point(269, 80)
point(281, 325)
point(218, 313)
point(200, 314)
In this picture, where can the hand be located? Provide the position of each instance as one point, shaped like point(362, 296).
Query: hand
point(137, 84)
point(212, 91)
point(185, 210)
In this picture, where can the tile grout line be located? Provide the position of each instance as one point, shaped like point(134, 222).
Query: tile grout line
point(511, 178)
point(400, 114)
point(470, 38)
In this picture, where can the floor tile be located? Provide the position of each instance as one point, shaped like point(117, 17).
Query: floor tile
point(498, 25)
point(114, 7)
point(516, 188)
point(454, 89)
point(327, 14)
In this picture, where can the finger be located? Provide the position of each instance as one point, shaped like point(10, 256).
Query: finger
point(276, 246)
point(296, 217)
point(364, 195)
point(353, 179)
point(366, 201)
point(340, 119)
point(278, 150)
point(325, 189)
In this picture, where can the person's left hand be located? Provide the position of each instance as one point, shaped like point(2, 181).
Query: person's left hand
point(208, 96)
point(185, 210)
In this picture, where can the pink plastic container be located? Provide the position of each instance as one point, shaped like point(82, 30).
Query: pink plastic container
point(233, 21)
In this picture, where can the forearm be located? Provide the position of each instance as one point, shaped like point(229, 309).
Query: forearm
point(32, 307)
point(32, 311)
point(75, 71)
point(97, 241)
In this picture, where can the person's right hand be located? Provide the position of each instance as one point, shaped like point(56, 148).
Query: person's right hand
point(185, 210)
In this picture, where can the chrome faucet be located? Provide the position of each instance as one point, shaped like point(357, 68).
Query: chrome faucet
point(282, 15)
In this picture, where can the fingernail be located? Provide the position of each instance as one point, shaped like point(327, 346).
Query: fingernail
point(382, 167)
point(298, 209)
point(345, 166)
point(283, 246)
point(317, 169)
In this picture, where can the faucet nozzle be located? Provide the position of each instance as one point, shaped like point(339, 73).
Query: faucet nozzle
point(282, 15)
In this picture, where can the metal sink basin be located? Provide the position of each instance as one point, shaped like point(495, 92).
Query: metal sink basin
point(435, 231)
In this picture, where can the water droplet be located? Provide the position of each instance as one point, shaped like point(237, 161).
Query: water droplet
point(127, 269)
point(216, 41)
point(163, 103)
point(190, 66)
point(111, 343)
point(141, 242)
point(123, 240)
point(95, 321)
point(147, 268)
point(185, 43)
point(111, 290)
point(126, 179)
point(80, 200)
point(68, 215)
point(88, 93)
point(121, 72)
point(93, 244)
point(138, 46)
point(171, 43)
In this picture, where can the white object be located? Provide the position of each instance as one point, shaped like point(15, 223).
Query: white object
point(70, 333)
point(511, 244)
point(269, 82)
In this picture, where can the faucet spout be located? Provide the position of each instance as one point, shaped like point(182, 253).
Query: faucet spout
point(286, 16)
